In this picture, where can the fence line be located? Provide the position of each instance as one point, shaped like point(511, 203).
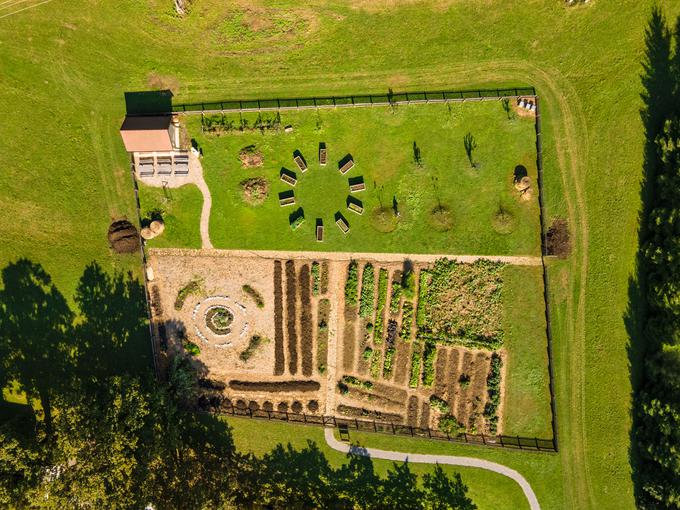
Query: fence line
point(546, 291)
point(515, 442)
point(391, 99)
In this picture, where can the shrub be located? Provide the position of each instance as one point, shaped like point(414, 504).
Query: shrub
point(367, 354)
point(253, 344)
point(350, 380)
point(316, 278)
point(408, 283)
point(415, 365)
point(380, 309)
point(395, 299)
point(493, 388)
point(191, 348)
point(439, 404)
point(352, 283)
point(388, 362)
point(429, 357)
point(255, 295)
point(191, 288)
point(450, 425)
point(406, 322)
point(464, 380)
point(367, 280)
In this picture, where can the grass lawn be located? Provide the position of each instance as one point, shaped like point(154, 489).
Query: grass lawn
point(488, 490)
point(65, 173)
point(526, 410)
point(383, 142)
point(181, 211)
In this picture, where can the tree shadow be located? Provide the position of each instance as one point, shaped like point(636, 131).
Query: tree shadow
point(659, 79)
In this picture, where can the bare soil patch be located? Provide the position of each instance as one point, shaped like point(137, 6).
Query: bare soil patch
point(251, 157)
point(123, 237)
point(255, 190)
point(558, 240)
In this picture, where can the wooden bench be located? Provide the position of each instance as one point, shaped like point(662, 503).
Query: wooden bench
point(355, 208)
point(347, 166)
point(286, 201)
point(342, 225)
point(301, 164)
point(319, 233)
point(360, 186)
point(322, 156)
point(288, 179)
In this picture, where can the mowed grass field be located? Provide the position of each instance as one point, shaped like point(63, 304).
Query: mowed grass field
point(66, 64)
point(384, 144)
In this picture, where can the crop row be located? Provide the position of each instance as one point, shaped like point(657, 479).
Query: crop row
point(380, 308)
point(291, 298)
point(395, 299)
point(360, 412)
point(279, 362)
point(429, 356)
point(367, 295)
point(416, 358)
point(306, 326)
point(352, 283)
point(324, 312)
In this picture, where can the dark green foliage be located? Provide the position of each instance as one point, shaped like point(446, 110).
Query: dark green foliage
point(406, 322)
point(463, 304)
point(193, 287)
point(657, 417)
point(429, 360)
point(416, 358)
point(255, 295)
point(350, 380)
point(423, 288)
point(380, 309)
point(253, 344)
point(493, 387)
point(316, 278)
point(376, 363)
point(352, 284)
point(191, 348)
point(408, 283)
point(440, 404)
point(397, 291)
point(367, 281)
point(449, 424)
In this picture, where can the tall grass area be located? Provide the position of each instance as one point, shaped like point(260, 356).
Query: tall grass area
point(66, 64)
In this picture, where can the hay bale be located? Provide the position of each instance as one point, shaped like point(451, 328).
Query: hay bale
point(123, 237)
point(147, 233)
point(523, 184)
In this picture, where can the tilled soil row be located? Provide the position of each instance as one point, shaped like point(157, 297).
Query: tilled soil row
point(364, 396)
point(291, 302)
point(279, 362)
point(453, 376)
point(324, 311)
point(370, 414)
point(275, 386)
point(349, 339)
point(412, 411)
point(307, 340)
point(478, 390)
point(425, 416)
point(464, 392)
point(442, 373)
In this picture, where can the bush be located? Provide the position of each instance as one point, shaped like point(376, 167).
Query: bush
point(367, 354)
point(191, 348)
point(380, 309)
point(350, 380)
point(415, 365)
point(352, 284)
point(367, 280)
point(429, 357)
point(450, 425)
point(255, 295)
point(408, 283)
point(316, 278)
point(440, 404)
point(493, 388)
point(191, 288)
point(253, 344)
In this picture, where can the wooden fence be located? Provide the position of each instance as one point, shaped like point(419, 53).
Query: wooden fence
point(390, 99)
point(516, 442)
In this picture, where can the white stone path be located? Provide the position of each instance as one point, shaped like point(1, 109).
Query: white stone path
point(451, 460)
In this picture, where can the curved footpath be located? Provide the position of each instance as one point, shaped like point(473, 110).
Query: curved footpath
point(420, 458)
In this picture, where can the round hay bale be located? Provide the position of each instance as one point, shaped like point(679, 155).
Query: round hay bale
point(123, 237)
point(157, 227)
point(147, 233)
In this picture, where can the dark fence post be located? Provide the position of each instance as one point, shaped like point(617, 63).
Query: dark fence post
point(356, 423)
point(304, 417)
point(375, 426)
point(519, 443)
point(483, 438)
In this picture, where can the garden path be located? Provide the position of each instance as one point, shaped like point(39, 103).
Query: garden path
point(451, 460)
point(515, 260)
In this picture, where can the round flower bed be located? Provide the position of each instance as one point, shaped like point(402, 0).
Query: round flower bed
point(218, 319)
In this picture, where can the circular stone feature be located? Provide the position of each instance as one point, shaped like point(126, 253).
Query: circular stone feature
point(218, 319)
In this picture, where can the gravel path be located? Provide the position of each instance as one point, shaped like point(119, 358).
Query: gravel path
point(205, 213)
point(341, 256)
point(451, 460)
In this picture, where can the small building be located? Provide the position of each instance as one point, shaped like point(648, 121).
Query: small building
point(153, 142)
